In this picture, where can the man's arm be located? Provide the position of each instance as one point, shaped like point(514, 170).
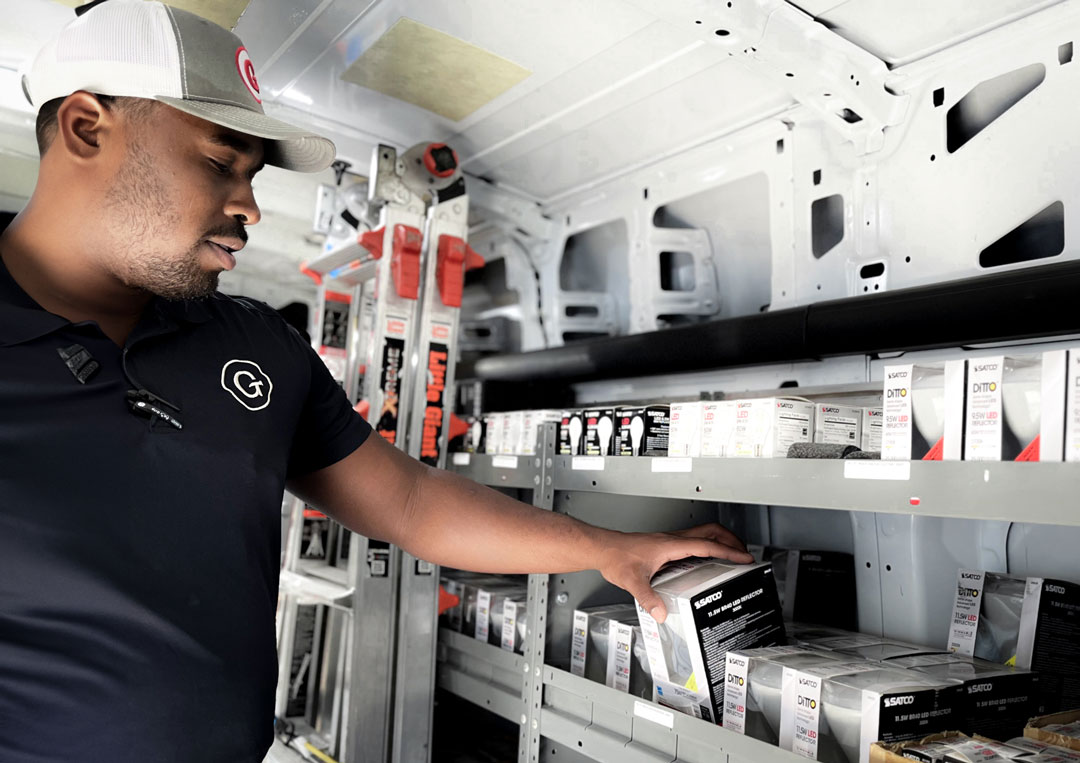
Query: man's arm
point(441, 517)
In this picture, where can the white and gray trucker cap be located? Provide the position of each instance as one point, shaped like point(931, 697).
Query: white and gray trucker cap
point(145, 49)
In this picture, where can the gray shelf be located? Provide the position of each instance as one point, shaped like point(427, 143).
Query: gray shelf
point(1027, 492)
point(604, 724)
point(498, 471)
point(481, 673)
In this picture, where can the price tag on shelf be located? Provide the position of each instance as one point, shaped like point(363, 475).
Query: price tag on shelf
point(672, 464)
point(462, 459)
point(587, 463)
point(877, 470)
point(651, 712)
point(504, 462)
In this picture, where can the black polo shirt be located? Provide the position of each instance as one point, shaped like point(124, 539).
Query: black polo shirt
point(139, 561)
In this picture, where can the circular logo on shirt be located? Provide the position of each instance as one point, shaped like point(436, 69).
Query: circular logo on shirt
point(247, 72)
point(246, 382)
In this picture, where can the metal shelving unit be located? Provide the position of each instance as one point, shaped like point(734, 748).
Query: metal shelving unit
point(603, 724)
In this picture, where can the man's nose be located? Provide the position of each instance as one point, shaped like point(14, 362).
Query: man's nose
point(242, 205)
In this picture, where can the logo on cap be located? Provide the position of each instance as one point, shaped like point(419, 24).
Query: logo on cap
point(247, 72)
point(245, 381)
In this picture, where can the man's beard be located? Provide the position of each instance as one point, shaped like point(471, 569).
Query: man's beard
point(145, 212)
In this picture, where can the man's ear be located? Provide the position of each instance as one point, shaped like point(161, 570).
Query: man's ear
point(82, 122)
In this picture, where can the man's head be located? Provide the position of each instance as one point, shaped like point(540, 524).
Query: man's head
point(152, 119)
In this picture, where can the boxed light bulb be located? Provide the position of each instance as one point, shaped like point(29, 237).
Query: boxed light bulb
point(1014, 403)
point(531, 424)
point(475, 439)
point(986, 615)
point(717, 427)
point(572, 434)
point(493, 426)
point(754, 683)
point(643, 431)
point(684, 437)
point(599, 431)
point(607, 647)
point(766, 427)
point(924, 412)
point(872, 426)
point(510, 439)
point(712, 607)
point(838, 424)
point(1049, 641)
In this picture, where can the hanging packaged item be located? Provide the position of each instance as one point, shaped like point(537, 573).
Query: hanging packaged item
point(711, 607)
point(924, 412)
point(607, 647)
point(643, 431)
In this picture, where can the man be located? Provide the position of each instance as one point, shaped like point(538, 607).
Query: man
point(148, 424)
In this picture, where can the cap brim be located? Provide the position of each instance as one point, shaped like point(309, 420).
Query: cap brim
point(288, 147)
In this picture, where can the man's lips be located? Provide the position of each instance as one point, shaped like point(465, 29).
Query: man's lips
point(224, 254)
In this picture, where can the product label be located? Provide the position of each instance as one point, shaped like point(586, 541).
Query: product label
point(390, 388)
point(717, 425)
point(599, 432)
point(743, 434)
point(685, 433)
point(965, 618)
point(838, 425)
point(654, 648)
point(431, 443)
point(735, 693)
point(983, 427)
point(896, 435)
point(792, 424)
point(618, 655)
point(1072, 407)
point(873, 421)
point(492, 433)
point(741, 613)
point(483, 615)
point(509, 624)
point(902, 715)
point(801, 693)
point(579, 643)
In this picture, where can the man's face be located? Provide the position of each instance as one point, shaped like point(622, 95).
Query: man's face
point(178, 203)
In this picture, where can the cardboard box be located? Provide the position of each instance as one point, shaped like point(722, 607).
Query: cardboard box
point(712, 607)
point(599, 431)
point(1044, 751)
point(643, 431)
point(717, 427)
point(873, 425)
point(607, 647)
point(753, 689)
point(1005, 406)
point(684, 436)
point(885, 752)
point(1058, 729)
point(572, 434)
point(924, 412)
point(838, 424)
point(766, 427)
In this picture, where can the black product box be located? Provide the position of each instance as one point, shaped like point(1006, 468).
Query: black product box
point(572, 434)
point(1049, 641)
point(643, 431)
point(599, 431)
point(817, 587)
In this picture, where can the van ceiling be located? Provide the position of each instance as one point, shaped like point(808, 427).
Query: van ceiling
point(606, 85)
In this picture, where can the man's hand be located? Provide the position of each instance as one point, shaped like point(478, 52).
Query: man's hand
point(633, 558)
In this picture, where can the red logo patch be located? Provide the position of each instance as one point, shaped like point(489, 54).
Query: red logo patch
point(246, 68)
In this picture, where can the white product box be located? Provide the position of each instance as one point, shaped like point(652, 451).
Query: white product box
point(924, 412)
point(872, 426)
point(510, 440)
point(1072, 406)
point(712, 607)
point(838, 424)
point(684, 437)
point(531, 423)
point(493, 431)
point(766, 427)
point(717, 426)
point(607, 647)
point(1011, 401)
point(986, 615)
